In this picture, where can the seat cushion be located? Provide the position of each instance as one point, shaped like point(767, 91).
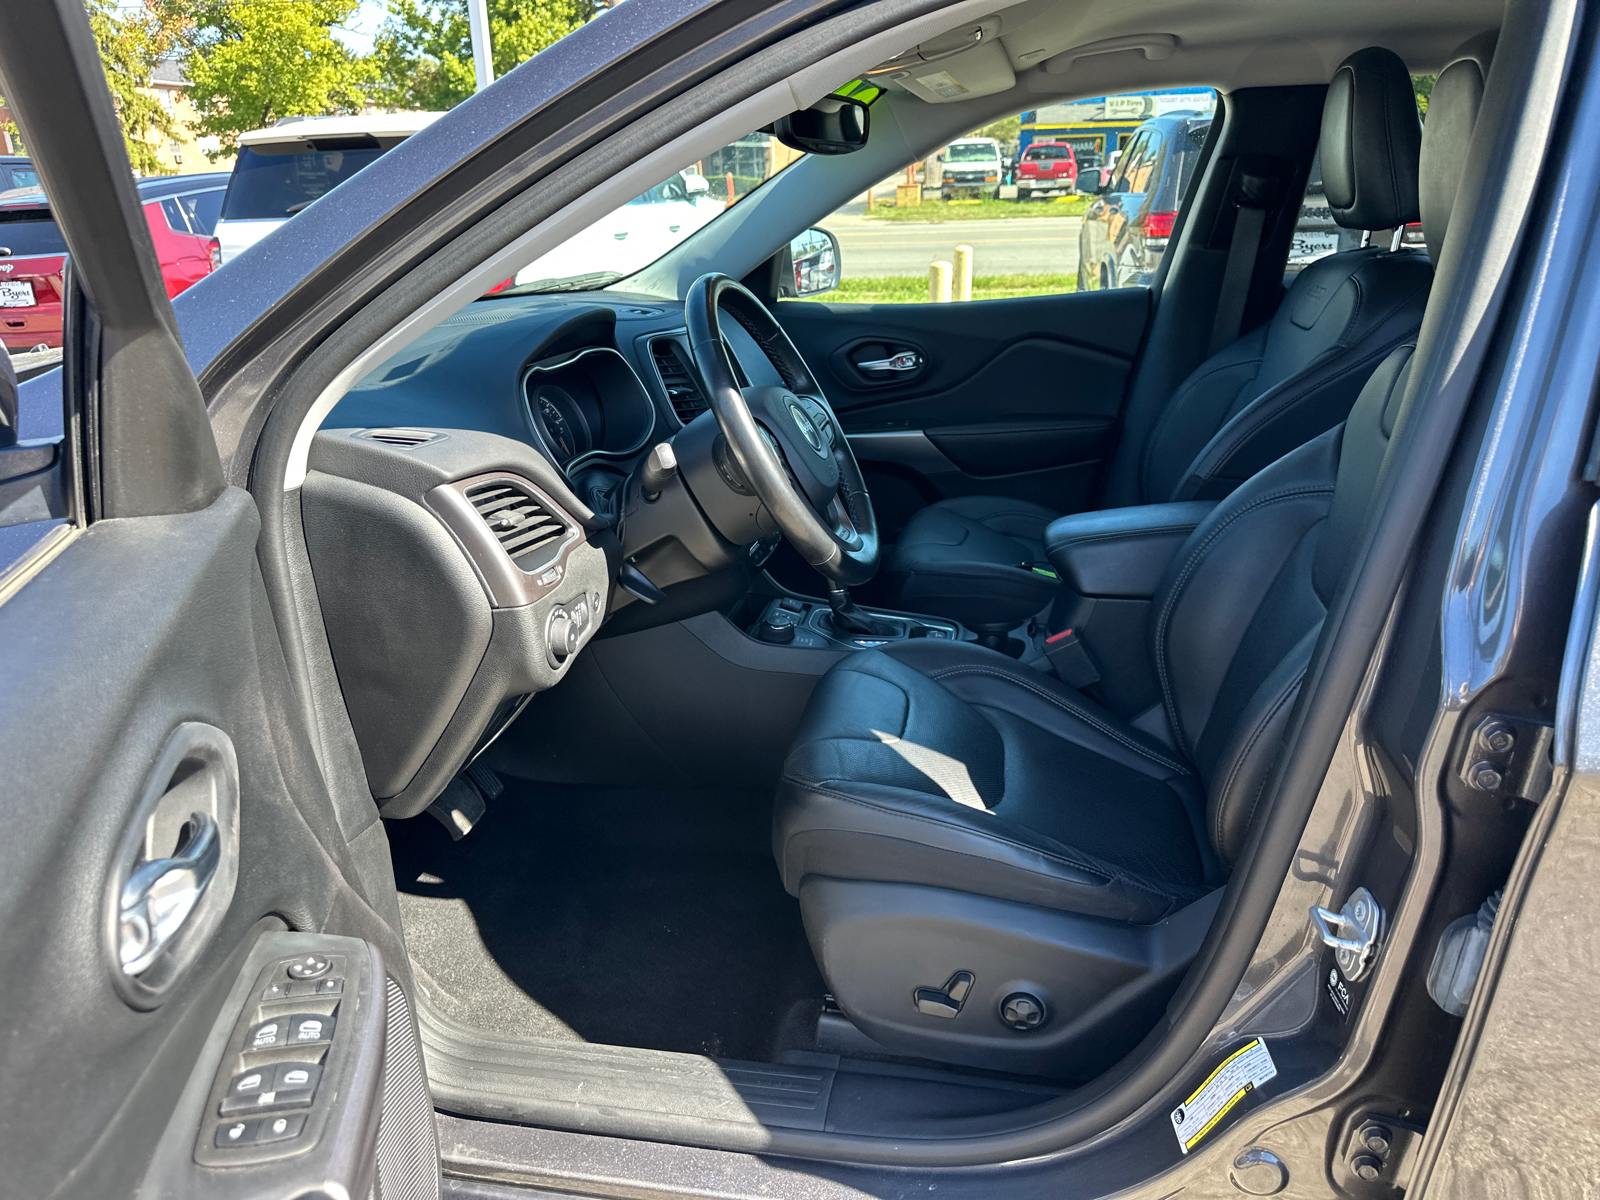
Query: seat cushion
point(954, 766)
point(969, 559)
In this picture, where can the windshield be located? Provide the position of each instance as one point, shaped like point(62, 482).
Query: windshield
point(972, 152)
point(29, 231)
point(269, 183)
point(633, 236)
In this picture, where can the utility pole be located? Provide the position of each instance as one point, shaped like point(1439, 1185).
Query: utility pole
point(482, 53)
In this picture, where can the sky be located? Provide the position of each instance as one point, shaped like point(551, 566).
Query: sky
point(358, 33)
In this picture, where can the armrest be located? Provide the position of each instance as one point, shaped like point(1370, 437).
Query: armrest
point(1121, 551)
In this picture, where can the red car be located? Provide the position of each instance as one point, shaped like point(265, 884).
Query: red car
point(1047, 168)
point(180, 211)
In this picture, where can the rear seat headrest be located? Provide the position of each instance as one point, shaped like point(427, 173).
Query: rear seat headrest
point(1371, 139)
point(1447, 135)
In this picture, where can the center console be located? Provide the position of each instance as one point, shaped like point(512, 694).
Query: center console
point(790, 621)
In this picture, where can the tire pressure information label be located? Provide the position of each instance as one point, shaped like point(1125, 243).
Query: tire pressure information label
point(1246, 1069)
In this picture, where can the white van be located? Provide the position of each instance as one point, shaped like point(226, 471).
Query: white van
point(971, 168)
point(282, 169)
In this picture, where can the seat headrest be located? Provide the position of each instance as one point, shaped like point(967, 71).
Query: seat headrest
point(1447, 135)
point(1371, 139)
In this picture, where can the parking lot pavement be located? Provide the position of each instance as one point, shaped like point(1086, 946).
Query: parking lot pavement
point(1024, 246)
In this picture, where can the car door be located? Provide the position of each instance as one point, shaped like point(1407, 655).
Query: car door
point(202, 990)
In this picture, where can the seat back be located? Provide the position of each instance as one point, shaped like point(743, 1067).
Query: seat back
point(1239, 611)
point(1297, 376)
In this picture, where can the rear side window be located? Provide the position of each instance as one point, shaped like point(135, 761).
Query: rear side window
point(173, 211)
point(30, 232)
point(267, 186)
point(24, 177)
point(203, 209)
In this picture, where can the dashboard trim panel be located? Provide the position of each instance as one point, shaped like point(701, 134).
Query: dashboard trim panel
point(598, 454)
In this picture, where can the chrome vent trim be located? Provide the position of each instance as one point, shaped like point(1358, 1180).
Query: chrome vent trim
point(519, 520)
point(677, 379)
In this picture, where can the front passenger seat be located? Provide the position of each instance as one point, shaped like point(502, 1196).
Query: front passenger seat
point(970, 559)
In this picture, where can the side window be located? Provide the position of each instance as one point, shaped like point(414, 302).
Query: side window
point(203, 209)
point(1071, 197)
point(24, 177)
point(173, 211)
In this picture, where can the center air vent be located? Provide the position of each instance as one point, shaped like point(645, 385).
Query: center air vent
point(683, 389)
point(400, 437)
point(521, 523)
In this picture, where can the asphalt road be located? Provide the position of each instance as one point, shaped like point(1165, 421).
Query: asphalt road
point(1025, 246)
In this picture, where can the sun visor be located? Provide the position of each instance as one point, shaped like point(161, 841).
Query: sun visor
point(959, 65)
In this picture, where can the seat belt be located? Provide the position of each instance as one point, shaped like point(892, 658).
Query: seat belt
point(1242, 250)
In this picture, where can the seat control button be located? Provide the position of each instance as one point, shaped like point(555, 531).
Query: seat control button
point(280, 1129)
point(236, 1133)
point(945, 1001)
point(1023, 1012)
point(309, 967)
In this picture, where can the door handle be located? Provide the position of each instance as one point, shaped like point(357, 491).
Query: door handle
point(161, 894)
point(906, 360)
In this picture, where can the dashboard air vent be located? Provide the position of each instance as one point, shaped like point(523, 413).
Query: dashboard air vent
point(683, 389)
point(519, 520)
point(400, 437)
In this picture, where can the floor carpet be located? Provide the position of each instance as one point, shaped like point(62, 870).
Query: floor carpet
point(619, 916)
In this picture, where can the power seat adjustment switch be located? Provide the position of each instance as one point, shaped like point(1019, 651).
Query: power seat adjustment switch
point(945, 1001)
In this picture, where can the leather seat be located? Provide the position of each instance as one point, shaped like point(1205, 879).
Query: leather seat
point(941, 799)
point(972, 558)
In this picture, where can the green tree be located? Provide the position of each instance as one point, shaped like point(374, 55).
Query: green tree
point(130, 47)
point(1423, 86)
point(423, 53)
point(251, 64)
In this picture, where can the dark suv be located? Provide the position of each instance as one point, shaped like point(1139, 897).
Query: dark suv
point(1125, 231)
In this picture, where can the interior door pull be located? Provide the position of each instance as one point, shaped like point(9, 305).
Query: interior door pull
point(160, 895)
point(906, 360)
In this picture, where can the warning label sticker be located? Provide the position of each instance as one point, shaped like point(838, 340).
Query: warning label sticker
point(943, 85)
point(1246, 1069)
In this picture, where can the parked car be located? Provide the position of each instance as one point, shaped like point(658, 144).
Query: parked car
point(288, 166)
point(971, 168)
point(180, 210)
point(1046, 169)
point(17, 172)
point(1126, 229)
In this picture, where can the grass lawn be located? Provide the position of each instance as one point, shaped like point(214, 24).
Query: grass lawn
point(913, 289)
point(932, 211)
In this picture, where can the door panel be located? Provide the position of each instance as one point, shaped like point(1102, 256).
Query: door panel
point(999, 397)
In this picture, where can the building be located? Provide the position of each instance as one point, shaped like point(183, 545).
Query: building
point(1097, 127)
point(181, 152)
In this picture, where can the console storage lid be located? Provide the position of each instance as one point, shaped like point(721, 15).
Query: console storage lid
point(1121, 551)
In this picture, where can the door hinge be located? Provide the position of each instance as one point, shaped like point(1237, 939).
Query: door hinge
point(1509, 757)
point(1379, 1154)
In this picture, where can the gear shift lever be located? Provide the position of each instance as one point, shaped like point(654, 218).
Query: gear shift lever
point(847, 618)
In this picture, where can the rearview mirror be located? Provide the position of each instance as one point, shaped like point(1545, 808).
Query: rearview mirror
point(813, 265)
point(833, 125)
point(1089, 181)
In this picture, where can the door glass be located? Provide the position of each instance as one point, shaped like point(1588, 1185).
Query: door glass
point(173, 211)
point(1006, 196)
point(203, 209)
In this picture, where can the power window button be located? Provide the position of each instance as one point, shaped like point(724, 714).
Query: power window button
point(306, 1028)
point(268, 1035)
point(295, 1083)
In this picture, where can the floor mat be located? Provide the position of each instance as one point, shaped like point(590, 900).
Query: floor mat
point(653, 919)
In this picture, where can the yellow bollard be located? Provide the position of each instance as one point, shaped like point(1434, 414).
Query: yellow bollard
point(939, 282)
point(962, 284)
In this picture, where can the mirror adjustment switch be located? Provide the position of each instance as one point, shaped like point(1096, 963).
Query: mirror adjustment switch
point(236, 1133)
point(331, 986)
point(276, 991)
point(310, 967)
point(280, 1129)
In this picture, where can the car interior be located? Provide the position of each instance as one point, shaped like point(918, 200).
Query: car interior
point(790, 715)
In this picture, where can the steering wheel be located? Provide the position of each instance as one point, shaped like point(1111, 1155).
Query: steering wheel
point(785, 440)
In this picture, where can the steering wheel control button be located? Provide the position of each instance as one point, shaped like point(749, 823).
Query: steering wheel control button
point(309, 967)
point(1023, 1012)
point(280, 1129)
point(236, 1133)
point(308, 1028)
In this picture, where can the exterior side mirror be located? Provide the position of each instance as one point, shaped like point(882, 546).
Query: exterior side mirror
point(696, 184)
point(1089, 181)
point(813, 265)
point(833, 125)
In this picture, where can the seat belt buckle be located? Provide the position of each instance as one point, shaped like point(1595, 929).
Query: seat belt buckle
point(1070, 659)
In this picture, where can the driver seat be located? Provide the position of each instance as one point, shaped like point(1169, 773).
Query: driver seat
point(993, 869)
